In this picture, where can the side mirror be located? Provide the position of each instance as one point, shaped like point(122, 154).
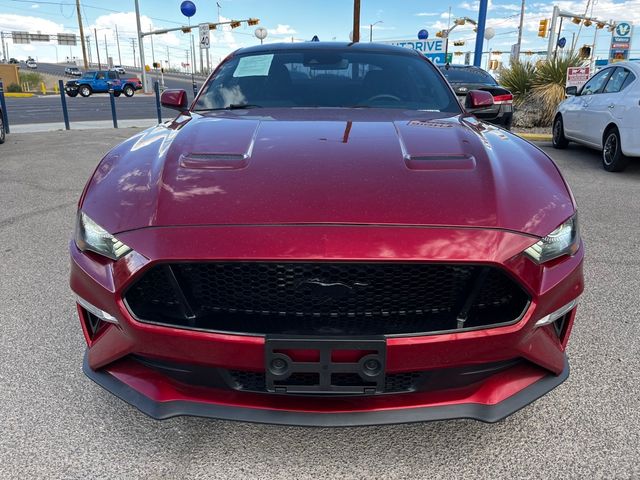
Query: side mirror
point(572, 90)
point(478, 100)
point(174, 99)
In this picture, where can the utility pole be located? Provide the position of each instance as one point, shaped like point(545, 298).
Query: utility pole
point(145, 87)
point(84, 51)
point(118, 43)
point(168, 58)
point(552, 31)
point(133, 46)
point(4, 50)
point(482, 20)
point(153, 53)
point(95, 32)
point(106, 47)
point(88, 40)
point(516, 55)
point(356, 21)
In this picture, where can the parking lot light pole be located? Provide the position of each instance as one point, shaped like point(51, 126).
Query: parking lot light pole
point(371, 25)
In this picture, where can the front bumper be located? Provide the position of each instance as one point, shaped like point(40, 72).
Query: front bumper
point(143, 392)
point(110, 358)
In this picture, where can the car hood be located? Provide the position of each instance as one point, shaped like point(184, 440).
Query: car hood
point(327, 167)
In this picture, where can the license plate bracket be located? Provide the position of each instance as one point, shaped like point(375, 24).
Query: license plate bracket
point(362, 374)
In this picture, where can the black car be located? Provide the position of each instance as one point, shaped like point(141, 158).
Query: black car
point(464, 78)
point(73, 71)
point(13, 60)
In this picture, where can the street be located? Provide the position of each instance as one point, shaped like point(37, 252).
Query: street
point(47, 109)
point(56, 423)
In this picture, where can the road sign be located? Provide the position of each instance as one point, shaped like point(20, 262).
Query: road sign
point(621, 42)
point(66, 39)
point(205, 38)
point(562, 42)
point(20, 37)
point(423, 34)
point(577, 76)
point(432, 49)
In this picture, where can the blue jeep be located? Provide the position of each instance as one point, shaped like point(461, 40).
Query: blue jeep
point(102, 81)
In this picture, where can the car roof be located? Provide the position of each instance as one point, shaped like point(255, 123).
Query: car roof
point(632, 65)
point(339, 46)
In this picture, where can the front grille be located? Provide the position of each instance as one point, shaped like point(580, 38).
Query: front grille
point(394, 382)
point(325, 298)
point(255, 382)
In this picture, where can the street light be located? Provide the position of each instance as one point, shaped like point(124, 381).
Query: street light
point(371, 30)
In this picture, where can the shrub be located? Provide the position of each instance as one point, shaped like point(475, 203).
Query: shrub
point(549, 83)
point(32, 78)
point(518, 78)
point(14, 88)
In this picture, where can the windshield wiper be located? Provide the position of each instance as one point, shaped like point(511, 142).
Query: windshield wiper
point(232, 106)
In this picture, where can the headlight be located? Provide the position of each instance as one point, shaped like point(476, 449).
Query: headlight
point(91, 236)
point(564, 240)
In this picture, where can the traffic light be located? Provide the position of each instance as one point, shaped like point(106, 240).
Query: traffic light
point(460, 21)
point(156, 64)
point(543, 28)
point(493, 65)
point(439, 34)
point(458, 43)
point(234, 24)
point(253, 21)
point(186, 29)
point(587, 23)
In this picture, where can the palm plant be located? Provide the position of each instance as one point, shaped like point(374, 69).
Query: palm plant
point(549, 83)
point(518, 78)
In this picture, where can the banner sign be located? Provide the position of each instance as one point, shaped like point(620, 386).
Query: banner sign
point(432, 49)
point(577, 76)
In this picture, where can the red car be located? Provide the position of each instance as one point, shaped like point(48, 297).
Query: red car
point(326, 236)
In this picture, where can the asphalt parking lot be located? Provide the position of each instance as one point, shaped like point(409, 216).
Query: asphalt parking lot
point(55, 423)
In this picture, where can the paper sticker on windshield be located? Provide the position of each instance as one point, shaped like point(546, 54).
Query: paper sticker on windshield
point(253, 66)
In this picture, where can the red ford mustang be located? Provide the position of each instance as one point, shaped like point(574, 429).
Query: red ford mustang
point(325, 236)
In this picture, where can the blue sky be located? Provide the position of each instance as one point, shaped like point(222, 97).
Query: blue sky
point(287, 19)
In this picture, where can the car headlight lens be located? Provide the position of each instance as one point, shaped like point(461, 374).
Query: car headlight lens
point(564, 240)
point(91, 236)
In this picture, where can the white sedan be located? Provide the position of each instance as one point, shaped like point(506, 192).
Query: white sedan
point(604, 114)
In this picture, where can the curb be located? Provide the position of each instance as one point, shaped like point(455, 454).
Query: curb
point(536, 137)
point(18, 95)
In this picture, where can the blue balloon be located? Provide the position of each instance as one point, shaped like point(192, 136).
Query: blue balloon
point(188, 8)
point(423, 34)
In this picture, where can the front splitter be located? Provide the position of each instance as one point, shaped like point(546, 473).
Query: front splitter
point(476, 411)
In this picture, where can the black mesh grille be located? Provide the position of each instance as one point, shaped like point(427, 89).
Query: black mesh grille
point(394, 382)
point(324, 298)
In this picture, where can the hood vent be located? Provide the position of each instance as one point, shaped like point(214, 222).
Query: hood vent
point(213, 161)
point(440, 162)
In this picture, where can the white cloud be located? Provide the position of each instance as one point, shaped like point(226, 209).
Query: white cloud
point(35, 5)
point(426, 14)
point(282, 30)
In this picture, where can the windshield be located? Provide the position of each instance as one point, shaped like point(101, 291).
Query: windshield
point(467, 75)
point(327, 78)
